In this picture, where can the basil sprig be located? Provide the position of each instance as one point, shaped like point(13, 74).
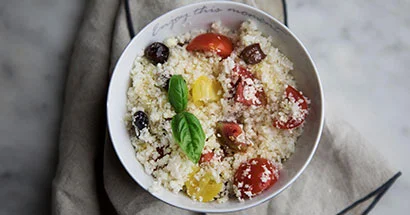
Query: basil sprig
point(189, 135)
point(186, 128)
point(178, 93)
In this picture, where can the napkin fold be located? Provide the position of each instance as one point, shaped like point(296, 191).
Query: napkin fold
point(91, 180)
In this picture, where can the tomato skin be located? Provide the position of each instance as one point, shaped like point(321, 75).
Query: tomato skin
point(240, 74)
point(213, 42)
point(252, 178)
point(239, 97)
point(292, 123)
point(206, 157)
point(227, 133)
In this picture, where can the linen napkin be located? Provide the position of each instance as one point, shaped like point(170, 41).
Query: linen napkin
point(91, 180)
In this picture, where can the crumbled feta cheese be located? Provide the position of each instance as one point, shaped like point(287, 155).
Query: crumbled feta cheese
point(171, 42)
point(246, 172)
point(249, 194)
point(266, 175)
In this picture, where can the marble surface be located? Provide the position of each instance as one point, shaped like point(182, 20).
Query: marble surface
point(35, 40)
point(362, 51)
point(361, 48)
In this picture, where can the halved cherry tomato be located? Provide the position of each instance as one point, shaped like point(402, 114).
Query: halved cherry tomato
point(255, 176)
point(292, 93)
point(202, 187)
point(206, 157)
point(239, 97)
point(240, 74)
point(218, 43)
point(228, 133)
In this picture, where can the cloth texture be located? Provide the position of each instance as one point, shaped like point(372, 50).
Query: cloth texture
point(344, 168)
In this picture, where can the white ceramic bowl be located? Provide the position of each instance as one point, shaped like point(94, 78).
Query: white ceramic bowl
point(187, 18)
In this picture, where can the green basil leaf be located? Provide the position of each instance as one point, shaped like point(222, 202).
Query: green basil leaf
point(188, 133)
point(178, 93)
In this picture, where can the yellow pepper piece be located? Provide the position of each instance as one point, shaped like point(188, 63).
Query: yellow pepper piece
point(205, 90)
point(204, 189)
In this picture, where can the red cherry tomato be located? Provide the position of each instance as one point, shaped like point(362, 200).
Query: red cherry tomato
point(218, 43)
point(240, 74)
point(239, 97)
point(206, 157)
point(255, 176)
point(292, 93)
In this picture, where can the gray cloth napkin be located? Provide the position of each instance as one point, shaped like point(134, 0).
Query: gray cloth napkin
point(344, 168)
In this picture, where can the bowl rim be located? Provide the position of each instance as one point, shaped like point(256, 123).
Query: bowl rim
point(321, 117)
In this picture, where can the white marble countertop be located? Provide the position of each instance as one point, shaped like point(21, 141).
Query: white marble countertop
point(361, 48)
point(362, 51)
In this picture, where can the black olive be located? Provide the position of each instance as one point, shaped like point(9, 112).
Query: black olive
point(157, 53)
point(252, 54)
point(139, 121)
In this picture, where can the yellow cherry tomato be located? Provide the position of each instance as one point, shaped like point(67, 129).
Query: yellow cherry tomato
point(204, 188)
point(205, 90)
